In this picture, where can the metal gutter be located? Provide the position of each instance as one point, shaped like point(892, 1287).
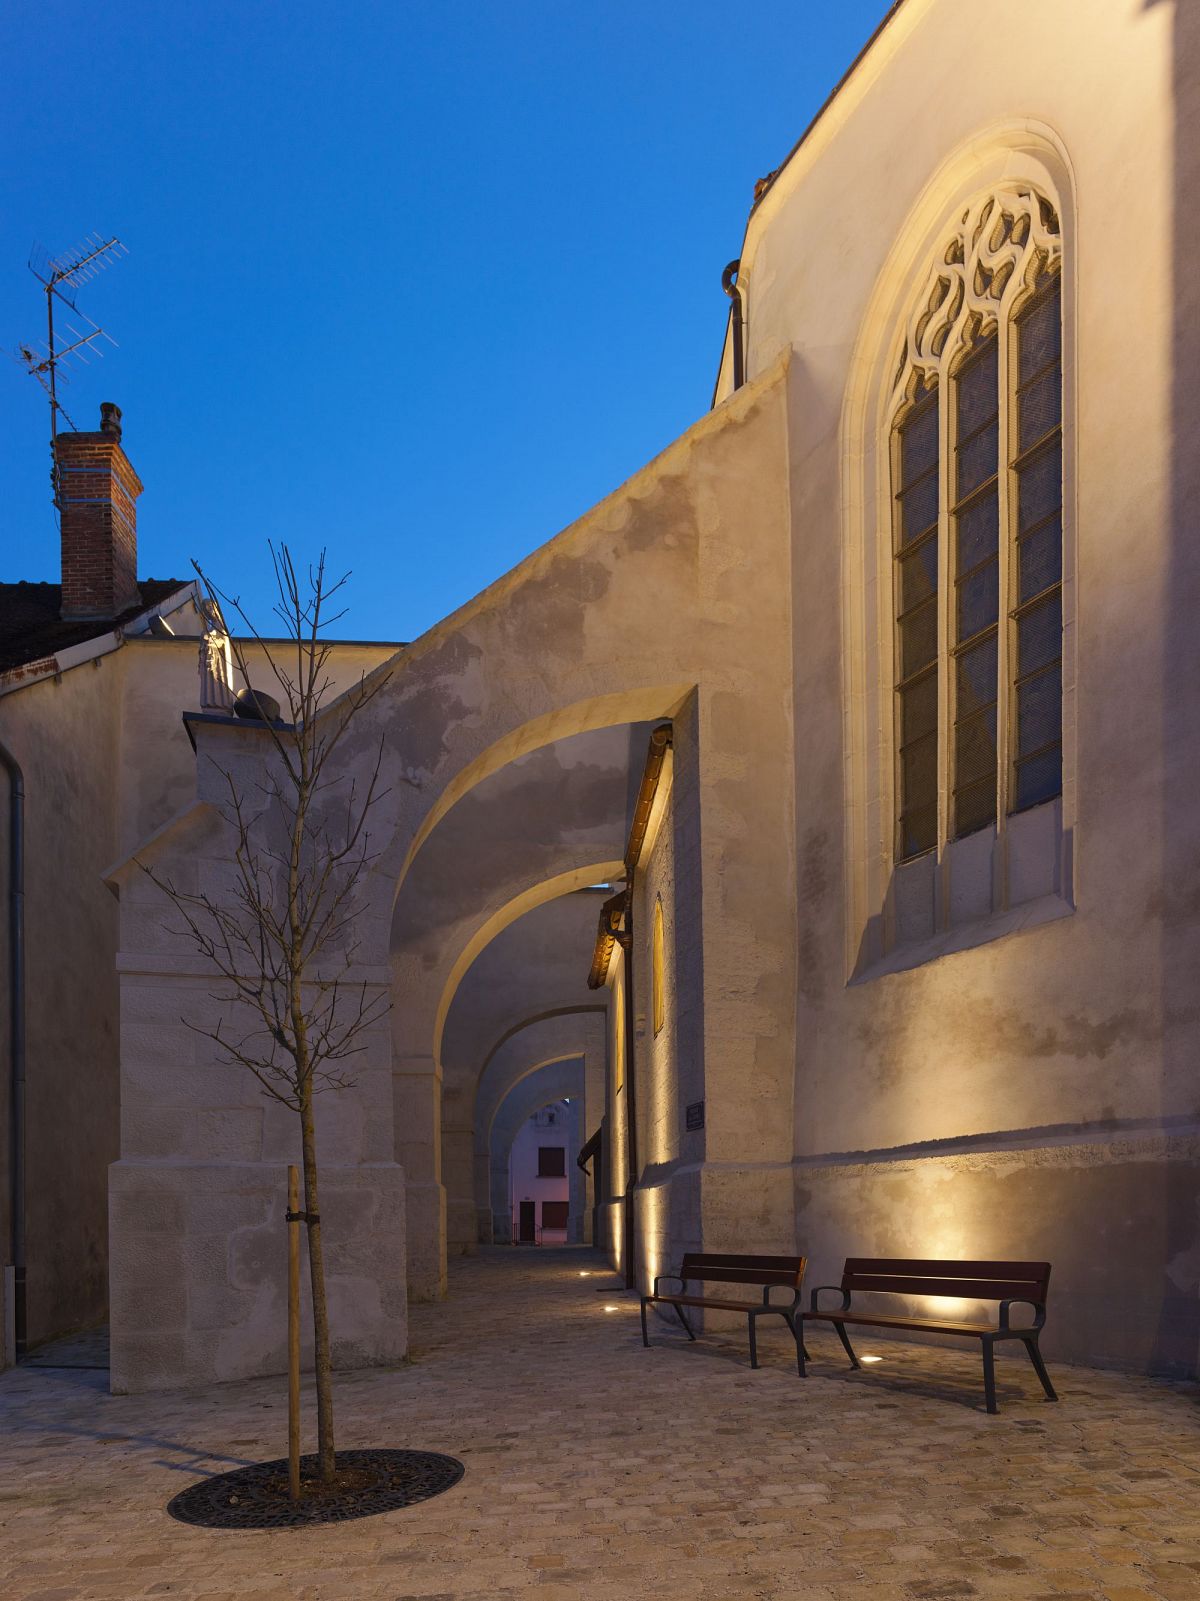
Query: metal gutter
point(16, 981)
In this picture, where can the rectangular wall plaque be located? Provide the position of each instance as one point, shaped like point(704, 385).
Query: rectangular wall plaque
point(695, 1115)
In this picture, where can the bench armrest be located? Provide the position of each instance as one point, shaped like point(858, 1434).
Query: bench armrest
point(1039, 1310)
point(814, 1303)
point(674, 1277)
point(780, 1306)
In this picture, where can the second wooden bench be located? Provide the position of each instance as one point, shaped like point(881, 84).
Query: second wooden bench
point(1010, 1283)
point(768, 1272)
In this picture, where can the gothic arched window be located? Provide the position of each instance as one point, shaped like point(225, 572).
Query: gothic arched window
point(976, 427)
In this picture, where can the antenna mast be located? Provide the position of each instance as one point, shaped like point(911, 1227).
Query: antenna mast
point(62, 277)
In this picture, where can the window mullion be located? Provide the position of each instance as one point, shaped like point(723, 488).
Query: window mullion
point(1006, 511)
point(945, 716)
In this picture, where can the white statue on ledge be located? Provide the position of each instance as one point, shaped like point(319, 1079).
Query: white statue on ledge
point(216, 661)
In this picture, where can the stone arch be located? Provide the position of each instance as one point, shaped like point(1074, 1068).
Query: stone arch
point(561, 1079)
point(525, 997)
point(642, 705)
point(671, 598)
point(546, 825)
point(578, 1035)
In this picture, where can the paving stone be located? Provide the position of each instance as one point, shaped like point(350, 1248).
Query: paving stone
point(597, 1471)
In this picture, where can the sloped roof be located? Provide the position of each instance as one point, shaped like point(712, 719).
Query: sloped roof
point(31, 628)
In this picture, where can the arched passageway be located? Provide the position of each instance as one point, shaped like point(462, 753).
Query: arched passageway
point(556, 1088)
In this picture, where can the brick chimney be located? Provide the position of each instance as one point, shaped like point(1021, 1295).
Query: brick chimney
point(97, 499)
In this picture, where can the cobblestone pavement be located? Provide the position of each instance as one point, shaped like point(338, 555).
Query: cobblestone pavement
point(600, 1471)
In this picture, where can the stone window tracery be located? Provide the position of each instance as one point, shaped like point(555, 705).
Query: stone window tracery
point(975, 424)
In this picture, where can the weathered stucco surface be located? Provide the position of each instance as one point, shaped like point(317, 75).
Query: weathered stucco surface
point(106, 761)
point(527, 697)
point(1033, 1094)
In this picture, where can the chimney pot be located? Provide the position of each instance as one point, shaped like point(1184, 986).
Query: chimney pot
point(110, 419)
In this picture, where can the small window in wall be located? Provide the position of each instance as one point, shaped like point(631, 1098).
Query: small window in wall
point(552, 1161)
point(554, 1214)
point(657, 966)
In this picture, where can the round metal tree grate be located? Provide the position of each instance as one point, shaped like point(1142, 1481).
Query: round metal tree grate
point(367, 1482)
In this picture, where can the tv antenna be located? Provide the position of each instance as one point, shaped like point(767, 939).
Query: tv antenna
point(62, 277)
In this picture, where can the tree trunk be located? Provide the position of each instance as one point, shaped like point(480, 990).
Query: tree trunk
point(322, 1366)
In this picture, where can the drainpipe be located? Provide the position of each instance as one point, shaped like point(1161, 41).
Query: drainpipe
point(625, 940)
point(730, 285)
point(16, 981)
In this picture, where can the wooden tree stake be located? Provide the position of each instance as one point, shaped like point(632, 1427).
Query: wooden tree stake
point(293, 1206)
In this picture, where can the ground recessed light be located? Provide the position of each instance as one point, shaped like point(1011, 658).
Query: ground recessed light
point(611, 1308)
point(870, 1359)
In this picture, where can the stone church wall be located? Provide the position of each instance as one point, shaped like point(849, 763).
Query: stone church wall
point(1024, 1086)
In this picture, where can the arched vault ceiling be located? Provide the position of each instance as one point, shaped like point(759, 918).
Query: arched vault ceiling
point(536, 966)
point(554, 1081)
point(563, 804)
point(564, 1036)
point(549, 823)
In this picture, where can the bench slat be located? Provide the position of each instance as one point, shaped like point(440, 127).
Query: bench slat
point(734, 1259)
point(721, 1306)
point(1037, 1273)
point(726, 1268)
point(883, 1320)
point(958, 1288)
point(768, 1277)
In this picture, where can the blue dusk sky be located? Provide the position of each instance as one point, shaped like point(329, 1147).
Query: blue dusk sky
point(420, 283)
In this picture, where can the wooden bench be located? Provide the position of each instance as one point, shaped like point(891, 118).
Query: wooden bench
point(771, 1272)
point(1009, 1283)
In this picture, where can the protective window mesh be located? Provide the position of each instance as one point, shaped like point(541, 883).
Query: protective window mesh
point(918, 576)
point(919, 509)
point(977, 460)
point(978, 599)
point(1039, 488)
point(919, 440)
point(1039, 711)
point(1037, 745)
point(976, 530)
point(1039, 559)
point(918, 639)
point(976, 586)
point(1039, 635)
point(916, 590)
point(918, 709)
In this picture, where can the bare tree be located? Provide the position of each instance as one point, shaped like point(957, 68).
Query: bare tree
point(282, 936)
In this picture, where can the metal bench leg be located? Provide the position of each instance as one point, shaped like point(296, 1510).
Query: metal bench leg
point(753, 1342)
point(801, 1353)
point(687, 1327)
point(989, 1374)
point(845, 1339)
point(1035, 1356)
point(645, 1335)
